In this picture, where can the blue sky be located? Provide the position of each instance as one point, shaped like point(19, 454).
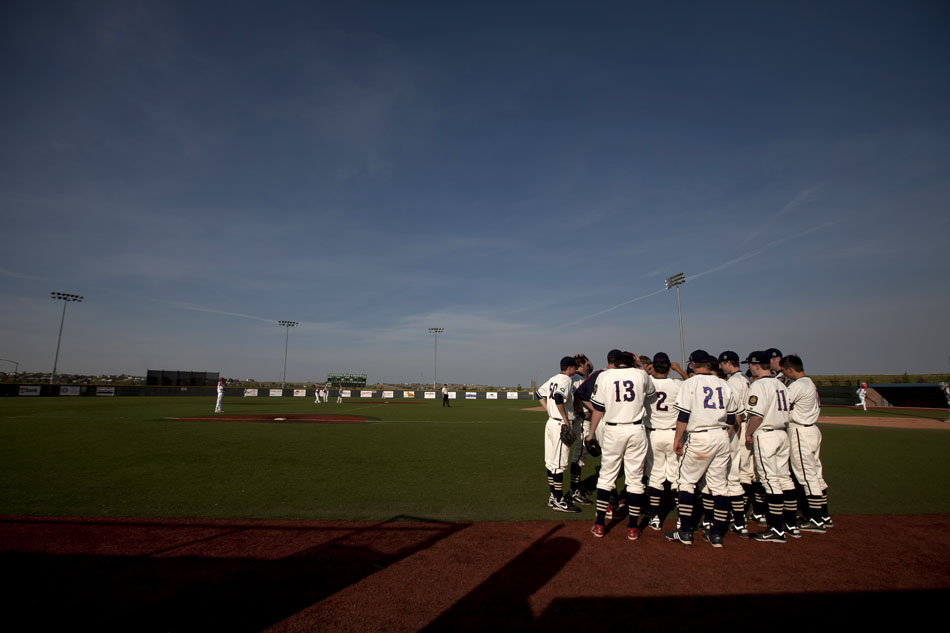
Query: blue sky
point(524, 176)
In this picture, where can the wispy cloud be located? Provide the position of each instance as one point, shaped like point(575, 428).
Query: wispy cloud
point(805, 196)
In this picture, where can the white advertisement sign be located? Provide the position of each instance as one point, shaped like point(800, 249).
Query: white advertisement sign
point(512, 395)
point(408, 394)
point(366, 394)
point(277, 393)
point(492, 395)
point(430, 395)
point(345, 393)
point(105, 391)
point(29, 390)
point(69, 391)
point(451, 395)
point(388, 394)
point(469, 395)
point(300, 393)
point(250, 393)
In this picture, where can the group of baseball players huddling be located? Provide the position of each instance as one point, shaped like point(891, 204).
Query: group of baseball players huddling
point(737, 443)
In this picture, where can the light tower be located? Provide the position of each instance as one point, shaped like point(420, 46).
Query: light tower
point(288, 325)
point(435, 367)
point(676, 281)
point(65, 297)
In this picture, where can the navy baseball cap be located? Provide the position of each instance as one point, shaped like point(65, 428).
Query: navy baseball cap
point(757, 358)
point(729, 356)
point(699, 356)
point(773, 353)
point(568, 361)
point(628, 359)
point(613, 354)
point(660, 357)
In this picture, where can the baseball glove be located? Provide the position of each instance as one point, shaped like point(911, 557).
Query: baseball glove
point(567, 435)
point(593, 447)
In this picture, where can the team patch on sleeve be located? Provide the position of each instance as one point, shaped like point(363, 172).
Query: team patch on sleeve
point(753, 400)
point(594, 392)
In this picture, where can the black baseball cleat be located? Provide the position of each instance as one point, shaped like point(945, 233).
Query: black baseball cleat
point(769, 536)
point(811, 525)
point(564, 506)
point(712, 538)
point(680, 536)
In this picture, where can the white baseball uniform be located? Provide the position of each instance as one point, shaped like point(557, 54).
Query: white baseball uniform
point(663, 462)
point(708, 401)
point(556, 453)
point(622, 394)
point(316, 393)
point(220, 401)
point(768, 399)
point(740, 466)
point(862, 397)
point(804, 436)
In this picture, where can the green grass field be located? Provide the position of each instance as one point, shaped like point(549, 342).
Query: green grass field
point(479, 460)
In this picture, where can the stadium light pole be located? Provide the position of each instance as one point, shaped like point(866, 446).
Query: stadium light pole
point(676, 281)
point(65, 297)
point(288, 325)
point(435, 366)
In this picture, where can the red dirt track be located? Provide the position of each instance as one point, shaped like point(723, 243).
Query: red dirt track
point(233, 575)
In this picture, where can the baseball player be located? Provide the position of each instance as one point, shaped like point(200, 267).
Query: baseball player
point(220, 401)
point(316, 393)
point(326, 393)
point(558, 401)
point(775, 364)
point(580, 424)
point(767, 432)
point(805, 443)
point(706, 408)
point(862, 395)
point(619, 400)
point(445, 395)
point(339, 393)
point(661, 431)
point(945, 388)
point(740, 465)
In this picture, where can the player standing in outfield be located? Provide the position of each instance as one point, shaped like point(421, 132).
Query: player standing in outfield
point(220, 401)
point(862, 396)
point(445, 395)
point(707, 407)
point(326, 393)
point(661, 431)
point(316, 393)
point(767, 432)
point(339, 393)
point(740, 464)
point(805, 442)
point(619, 400)
point(558, 401)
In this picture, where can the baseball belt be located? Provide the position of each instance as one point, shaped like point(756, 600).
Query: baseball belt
point(623, 423)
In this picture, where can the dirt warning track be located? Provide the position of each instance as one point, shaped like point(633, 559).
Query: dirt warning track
point(409, 575)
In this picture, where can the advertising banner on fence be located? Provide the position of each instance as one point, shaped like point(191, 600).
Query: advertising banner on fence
point(430, 395)
point(277, 393)
point(492, 395)
point(105, 391)
point(366, 394)
point(469, 395)
point(512, 395)
point(68, 391)
point(345, 393)
point(29, 390)
point(408, 394)
point(250, 393)
point(300, 393)
point(388, 394)
point(451, 395)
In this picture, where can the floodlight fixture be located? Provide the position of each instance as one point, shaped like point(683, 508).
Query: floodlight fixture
point(676, 281)
point(65, 297)
point(435, 365)
point(287, 325)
